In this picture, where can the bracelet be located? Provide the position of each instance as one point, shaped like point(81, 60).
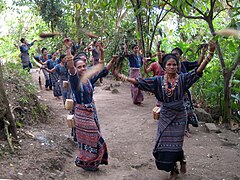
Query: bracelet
point(69, 58)
point(207, 59)
point(123, 78)
point(210, 56)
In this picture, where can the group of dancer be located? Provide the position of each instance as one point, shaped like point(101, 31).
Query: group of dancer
point(54, 65)
point(170, 85)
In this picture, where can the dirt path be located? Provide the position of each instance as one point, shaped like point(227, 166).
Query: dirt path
point(47, 152)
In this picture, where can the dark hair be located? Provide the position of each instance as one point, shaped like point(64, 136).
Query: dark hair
point(75, 60)
point(78, 55)
point(62, 56)
point(167, 57)
point(43, 49)
point(178, 50)
point(22, 40)
point(134, 45)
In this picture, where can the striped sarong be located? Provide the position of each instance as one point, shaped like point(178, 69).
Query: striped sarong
point(56, 84)
point(137, 95)
point(170, 135)
point(65, 91)
point(91, 145)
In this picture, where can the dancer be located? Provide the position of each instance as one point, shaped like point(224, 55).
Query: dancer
point(170, 89)
point(186, 66)
point(62, 72)
point(135, 63)
point(26, 63)
point(92, 147)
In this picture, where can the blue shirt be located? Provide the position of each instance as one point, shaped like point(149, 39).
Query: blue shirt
point(62, 72)
point(51, 64)
point(187, 66)
point(24, 53)
point(83, 93)
point(156, 86)
point(135, 61)
point(38, 58)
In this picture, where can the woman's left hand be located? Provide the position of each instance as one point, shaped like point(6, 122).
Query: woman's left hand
point(101, 49)
point(212, 46)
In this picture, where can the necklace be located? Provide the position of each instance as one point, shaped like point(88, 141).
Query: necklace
point(170, 90)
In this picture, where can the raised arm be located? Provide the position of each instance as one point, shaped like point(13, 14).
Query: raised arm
point(110, 63)
point(124, 78)
point(201, 57)
point(159, 54)
point(208, 58)
point(69, 57)
point(146, 69)
point(125, 49)
point(108, 42)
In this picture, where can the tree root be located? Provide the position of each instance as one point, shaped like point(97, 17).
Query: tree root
point(9, 139)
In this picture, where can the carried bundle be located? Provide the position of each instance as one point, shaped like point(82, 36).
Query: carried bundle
point(229, 32)
point(156, 113)
point(49, 35)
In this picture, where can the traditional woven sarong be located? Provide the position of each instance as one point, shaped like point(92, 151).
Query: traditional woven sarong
point(137, 95)
point(56, 84)
point(65, 91)
point(170, 135)
point(191, 116)
point(91, 145)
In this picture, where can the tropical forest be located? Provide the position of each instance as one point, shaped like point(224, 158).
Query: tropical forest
point(120, 89)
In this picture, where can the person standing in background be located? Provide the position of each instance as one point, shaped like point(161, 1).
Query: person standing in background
point(25, 46)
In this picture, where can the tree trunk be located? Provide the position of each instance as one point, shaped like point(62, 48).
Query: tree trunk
point(5, 112)
point(228, 74)
point(78, 22)
point(227, 99)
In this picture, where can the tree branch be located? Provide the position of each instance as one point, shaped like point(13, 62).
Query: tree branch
point(220, 56)
point(165, 15)
point(198, 10)
point(210, 15)
point(229, 4)
point(237, 63)
point(181, 12)
point(219, 13)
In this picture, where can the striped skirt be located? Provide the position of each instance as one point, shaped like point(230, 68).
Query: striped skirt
point(170, 135)
point(137, 95)
point(91, 145)
point(56, 85)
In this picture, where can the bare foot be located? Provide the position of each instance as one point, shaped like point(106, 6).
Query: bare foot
point(173, 176)
point(183, 168)
point(58, 98)
point(187, 134)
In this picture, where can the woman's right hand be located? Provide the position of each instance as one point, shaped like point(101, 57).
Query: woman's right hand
point(67, 42)
point(69, 58)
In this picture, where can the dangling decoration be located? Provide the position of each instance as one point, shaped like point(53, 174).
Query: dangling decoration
point(170, 91)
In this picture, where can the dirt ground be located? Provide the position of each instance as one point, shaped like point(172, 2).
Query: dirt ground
point(46, 151)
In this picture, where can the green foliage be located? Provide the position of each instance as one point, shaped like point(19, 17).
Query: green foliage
point(118, 19)
point(21, 93)
point(2, 5)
